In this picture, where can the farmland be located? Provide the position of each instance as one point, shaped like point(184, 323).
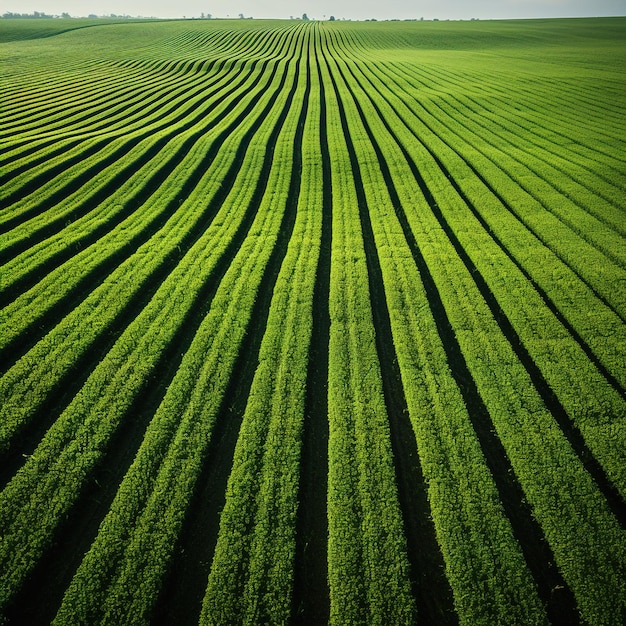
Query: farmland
point(311, 322)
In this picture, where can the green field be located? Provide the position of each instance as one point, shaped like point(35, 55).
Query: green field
point(313, 322)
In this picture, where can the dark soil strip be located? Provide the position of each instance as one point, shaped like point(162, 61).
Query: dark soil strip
point(28, 439)
point(180, 600)
point(429, 584)
point(311, 598)
point(575, 438)
point(560, 604)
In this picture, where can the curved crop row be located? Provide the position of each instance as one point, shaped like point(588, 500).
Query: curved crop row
point(498, 590)
point(310, 322)
point(251, 576)
point(573, 298)
point(111, 388)
point(595, 597)
point(172, 453)
point(367, 563)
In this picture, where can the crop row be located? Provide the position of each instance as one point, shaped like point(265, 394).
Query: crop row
point(94, 316)
point(153, 498)
point(251, 577)
point(122, 375)
point(309, 322)
point(496, 283)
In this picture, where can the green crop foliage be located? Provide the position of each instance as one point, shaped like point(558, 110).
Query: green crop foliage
point(308, 322)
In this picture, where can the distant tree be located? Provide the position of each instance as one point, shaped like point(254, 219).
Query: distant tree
point(305, 17)
point(66, 15)
point(241, 16)
point(34, 15)
point(331, 18)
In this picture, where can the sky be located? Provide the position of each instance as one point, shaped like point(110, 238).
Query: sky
point(323, 9)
